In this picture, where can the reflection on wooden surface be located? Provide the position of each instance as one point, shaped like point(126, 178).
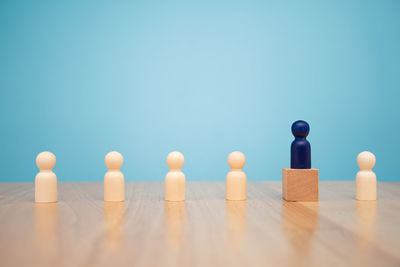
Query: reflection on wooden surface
point(300, 221)
point(175, 222)
point(46, 220)
point(366, 218)
point(236, 221)
point(206, 230)
point(114, 218)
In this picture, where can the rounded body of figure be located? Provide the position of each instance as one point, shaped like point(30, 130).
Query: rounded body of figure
point(236, 179)
point(175, 186)
point(300, 154)
point(366, 178)
point(46, 187)
point(46, 179)
point(300, 150)
point(236, 185)
point(114, 186)
point(366, 185)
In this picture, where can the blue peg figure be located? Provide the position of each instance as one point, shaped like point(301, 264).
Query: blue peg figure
point(300, 154)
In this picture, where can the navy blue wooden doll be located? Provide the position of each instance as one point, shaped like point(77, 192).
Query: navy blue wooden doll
point(300, 156)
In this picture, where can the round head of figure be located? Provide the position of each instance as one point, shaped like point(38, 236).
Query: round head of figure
point(46, 161)
point(114, 160)
point(366, 160)
point(300, 129)
point(175, 160)
point(236, 160)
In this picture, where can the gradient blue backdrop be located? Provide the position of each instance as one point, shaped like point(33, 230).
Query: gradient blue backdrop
point(82, 78)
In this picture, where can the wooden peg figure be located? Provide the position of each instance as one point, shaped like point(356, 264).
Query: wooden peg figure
point(366, 178)
point(300, 151)
point(114, 185)
point(300, 181)
point(46, 179)
point(175, 186)
point(236, 179)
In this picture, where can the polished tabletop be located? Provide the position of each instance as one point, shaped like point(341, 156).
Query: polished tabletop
point(205, 230)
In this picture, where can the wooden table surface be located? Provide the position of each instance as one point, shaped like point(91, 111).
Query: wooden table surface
point(206, 230)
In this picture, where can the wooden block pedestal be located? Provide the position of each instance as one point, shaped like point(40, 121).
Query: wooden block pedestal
point(300, 184)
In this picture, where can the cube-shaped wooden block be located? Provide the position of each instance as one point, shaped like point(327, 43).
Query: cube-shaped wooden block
point(300, 184)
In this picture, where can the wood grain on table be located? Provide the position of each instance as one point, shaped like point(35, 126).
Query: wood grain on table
point(206, 230)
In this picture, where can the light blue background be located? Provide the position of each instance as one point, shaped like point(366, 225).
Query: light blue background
point(82, 78)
